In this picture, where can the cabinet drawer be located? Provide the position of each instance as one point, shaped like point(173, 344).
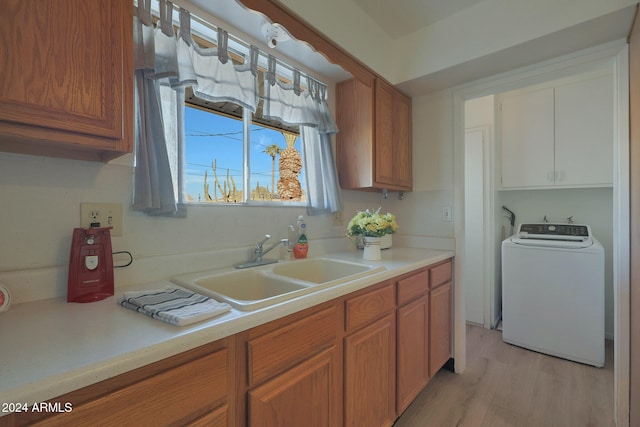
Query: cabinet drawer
point(440, 274)
point(274, 352)
point(366, 308)
point(175, 397)
point(413, 286)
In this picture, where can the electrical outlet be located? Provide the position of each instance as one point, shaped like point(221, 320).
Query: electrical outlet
point(102, 215)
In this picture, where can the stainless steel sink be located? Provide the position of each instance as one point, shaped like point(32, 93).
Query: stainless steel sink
point(258, 287)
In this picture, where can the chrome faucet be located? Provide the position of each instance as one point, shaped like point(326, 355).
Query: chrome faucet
point(259, 252)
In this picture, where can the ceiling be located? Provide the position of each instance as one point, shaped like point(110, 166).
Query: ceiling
point(396, 18)
point(401, 17)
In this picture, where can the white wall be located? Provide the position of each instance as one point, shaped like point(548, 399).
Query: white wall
point(41, 199)
point(421, 211)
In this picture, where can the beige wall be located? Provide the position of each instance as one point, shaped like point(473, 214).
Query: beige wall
point(41, 205)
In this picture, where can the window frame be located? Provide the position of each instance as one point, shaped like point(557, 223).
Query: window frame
point(247, 121)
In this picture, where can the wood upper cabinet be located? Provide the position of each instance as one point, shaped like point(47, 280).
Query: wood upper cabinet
point(66, 80)
point(373, 146)
point(393, 138)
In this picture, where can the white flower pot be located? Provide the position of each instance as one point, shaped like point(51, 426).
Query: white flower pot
point(371, 249)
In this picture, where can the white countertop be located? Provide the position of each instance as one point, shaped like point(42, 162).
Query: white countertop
point(51, 347)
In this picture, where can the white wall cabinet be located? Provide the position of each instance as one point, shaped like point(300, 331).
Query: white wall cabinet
point(558, 136)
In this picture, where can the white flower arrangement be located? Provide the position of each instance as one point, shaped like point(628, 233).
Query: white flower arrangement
point(372, 224)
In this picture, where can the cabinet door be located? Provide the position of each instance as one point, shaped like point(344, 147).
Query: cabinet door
point(440, 327)
point(527, 139)
point(303, 396)
point(354, 142)
point(584, 132)
point(67, 77)
point(392, 138)
point(413, 351)
point(369, 381)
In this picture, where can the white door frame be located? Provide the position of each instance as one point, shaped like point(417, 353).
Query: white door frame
point(614, 55)
point(488, 213)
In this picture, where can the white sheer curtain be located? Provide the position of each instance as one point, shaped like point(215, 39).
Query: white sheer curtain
point(166, 64)
point(155, 185)
point(309, 110)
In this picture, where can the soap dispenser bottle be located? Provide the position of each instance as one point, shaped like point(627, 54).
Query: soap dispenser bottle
point(302, 244)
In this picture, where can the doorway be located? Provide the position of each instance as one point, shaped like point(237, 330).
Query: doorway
point(615, 56)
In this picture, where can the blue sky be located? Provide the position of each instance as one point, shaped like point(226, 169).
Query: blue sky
point(211, 136)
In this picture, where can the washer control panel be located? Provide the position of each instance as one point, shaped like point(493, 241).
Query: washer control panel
point(550, 230)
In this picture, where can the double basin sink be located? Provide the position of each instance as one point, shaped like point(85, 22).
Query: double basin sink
point(259, 287)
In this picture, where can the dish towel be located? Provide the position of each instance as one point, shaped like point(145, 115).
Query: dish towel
point(173, 305)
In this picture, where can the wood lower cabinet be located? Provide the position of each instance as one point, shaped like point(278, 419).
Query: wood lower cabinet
point(440, 315)
point(369, 369)
point(66, 85)
point(192, 388)
point(301, 396)
point(424, 328)
point(413, 351)
point(439, 327)
point(413, 337)
point(369, 358)
point(293, 371)
point(358, 360)
point(216, 418)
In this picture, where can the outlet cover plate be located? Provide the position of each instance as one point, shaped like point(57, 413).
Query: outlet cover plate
point(107, 214)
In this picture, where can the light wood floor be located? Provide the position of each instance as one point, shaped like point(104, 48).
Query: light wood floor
point(505, 385)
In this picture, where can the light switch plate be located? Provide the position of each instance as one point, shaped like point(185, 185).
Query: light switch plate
point(105, 214)
point(446, 214)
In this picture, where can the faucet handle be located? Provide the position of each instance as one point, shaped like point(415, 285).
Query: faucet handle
point(261, 242)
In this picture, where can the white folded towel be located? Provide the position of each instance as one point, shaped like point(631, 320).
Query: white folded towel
point(173, 305)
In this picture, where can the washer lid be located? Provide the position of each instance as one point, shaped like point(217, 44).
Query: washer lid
point(554, 235)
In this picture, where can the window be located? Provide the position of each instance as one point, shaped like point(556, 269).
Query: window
point(201, 134)
point(219, 157)
point(226, 165)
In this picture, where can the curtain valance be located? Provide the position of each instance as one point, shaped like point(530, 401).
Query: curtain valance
point(180, 62)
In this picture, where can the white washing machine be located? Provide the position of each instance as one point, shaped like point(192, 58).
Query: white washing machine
point(553, 291)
